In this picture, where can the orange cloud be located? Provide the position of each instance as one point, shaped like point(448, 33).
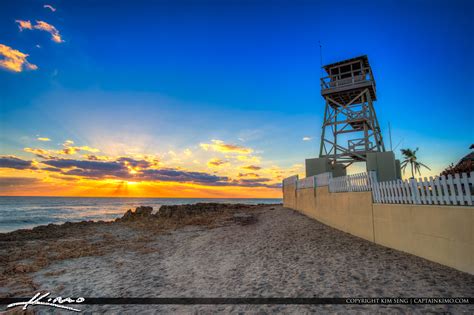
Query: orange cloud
point(14, 60)
point(67, 149)
point(55, 36)
point(251, 167)
point(220, 146)
point(253, 175)
point(216, 162)
point(45, 154)
point(43, 139)
point(48, 6)
point(24, 25)
point(42, 26)
point(88, 149)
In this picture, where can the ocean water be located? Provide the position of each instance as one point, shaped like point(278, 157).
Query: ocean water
point(28, 212)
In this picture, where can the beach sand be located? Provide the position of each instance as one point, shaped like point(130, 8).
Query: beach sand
point(269, 251)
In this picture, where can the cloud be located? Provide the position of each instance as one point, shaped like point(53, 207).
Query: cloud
point(216, 162)
point(17, 181)
point(254, 175)
point(24, 25)
point(251, 167)
point(85, 164)
point(307, 138)
point(14, 60)
point(48, 6)
point(256, 182)
point(93, 157)
point(16, 163)
point(68, 149)
point(44, 154)
point(130, 169)
point(246, 158)
point(55, 36)
point(220, 146)
point(43, 139)
point(42, 26)
point(120, 169)
point(51, 169)
point(175, 175)
point(87, 148)
point(134, 163)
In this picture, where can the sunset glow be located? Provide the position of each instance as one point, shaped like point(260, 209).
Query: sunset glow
point(185, 99)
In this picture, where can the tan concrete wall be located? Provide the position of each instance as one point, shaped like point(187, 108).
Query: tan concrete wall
point(289, 196)
point(350, 212)
point(444, 234)
point(305, 199)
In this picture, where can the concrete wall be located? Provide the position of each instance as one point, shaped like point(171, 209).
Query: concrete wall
point(443, 234)
point(289, 196)
point(305, 199)
point(350, 212)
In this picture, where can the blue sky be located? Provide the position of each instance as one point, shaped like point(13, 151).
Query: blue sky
point(159, 76)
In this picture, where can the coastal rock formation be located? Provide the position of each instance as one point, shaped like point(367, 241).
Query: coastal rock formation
point(181, 211)
point(140, 212)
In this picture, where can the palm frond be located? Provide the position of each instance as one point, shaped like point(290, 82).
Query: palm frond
point(424, 165)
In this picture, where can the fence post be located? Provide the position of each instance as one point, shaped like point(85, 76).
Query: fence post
point(373, 184)
point(415, 193)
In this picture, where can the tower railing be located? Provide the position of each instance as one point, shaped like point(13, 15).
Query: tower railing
point(355, 76)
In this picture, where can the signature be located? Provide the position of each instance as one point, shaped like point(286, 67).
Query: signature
point(56, 302)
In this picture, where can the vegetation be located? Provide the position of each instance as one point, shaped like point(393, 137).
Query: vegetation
point(465, 165)
point(410, 158)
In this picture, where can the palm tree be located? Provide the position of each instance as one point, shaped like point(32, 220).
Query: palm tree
point(410, 158)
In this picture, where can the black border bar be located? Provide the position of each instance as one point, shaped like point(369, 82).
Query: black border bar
point(262, 301)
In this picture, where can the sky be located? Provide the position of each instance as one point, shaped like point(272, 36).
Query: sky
point(216, 98)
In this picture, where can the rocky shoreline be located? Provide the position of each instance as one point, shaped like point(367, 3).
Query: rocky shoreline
point(26, 251)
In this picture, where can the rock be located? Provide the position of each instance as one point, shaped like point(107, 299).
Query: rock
point(143, 211)
point(140, 212)
point(179, 211)
point(127, 215)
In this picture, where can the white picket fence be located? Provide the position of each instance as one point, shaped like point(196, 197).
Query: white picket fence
point(310, 182)
point(307, 182)
point(323, 179)
point(440, 190)
point(354, 182)
point(290, 180)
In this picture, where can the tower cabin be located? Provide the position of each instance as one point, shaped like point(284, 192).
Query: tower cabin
point(346, 79)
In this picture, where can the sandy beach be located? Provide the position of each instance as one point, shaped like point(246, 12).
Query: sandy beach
point(212, 250)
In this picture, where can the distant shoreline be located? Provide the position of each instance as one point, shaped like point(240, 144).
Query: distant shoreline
point(29, 212)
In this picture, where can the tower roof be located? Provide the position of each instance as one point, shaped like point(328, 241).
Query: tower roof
point(364, 58)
